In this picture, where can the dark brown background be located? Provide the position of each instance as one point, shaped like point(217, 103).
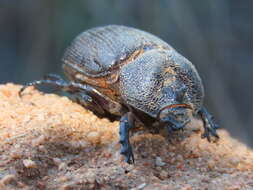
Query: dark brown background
point(216, 35)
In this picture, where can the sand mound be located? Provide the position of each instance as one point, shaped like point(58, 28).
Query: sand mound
point(49, 142)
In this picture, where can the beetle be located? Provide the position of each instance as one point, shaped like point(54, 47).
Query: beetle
point(128, 74)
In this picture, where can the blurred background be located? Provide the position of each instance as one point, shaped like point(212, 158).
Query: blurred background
point(216, 35)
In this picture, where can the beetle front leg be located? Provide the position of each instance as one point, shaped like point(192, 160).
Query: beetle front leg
point(126, 123)
point(209, 125)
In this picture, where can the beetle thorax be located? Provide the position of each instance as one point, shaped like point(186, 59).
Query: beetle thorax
point(155, 80)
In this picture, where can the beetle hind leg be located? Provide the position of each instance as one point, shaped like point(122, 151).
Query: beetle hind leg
point(84, 94)
point(51, 79)
point(210, 125)
point(126, 123)
point(80, 93)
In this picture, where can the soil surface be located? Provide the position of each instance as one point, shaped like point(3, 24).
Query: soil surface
point(50, 142)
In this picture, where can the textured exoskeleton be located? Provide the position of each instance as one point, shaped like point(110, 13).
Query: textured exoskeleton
point(122, 72)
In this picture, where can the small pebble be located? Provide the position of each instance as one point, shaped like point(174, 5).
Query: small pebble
point(16, 155)
point(2, 186)
point(205, 179)
point(211, 164)
point(90, 177)
point(6, 92)
point(38, 141)
point(164, 174)
point(180, 158)
point(234, 187)
point(20, 184)
point(62, 166)
point(41, 185)
point(8, 179)
point(66, 187)
point(45, 178)
point(93, 137)
point(29, 163)
point(57, 161)
point(63, 179)
point(234, 161)
point(187, 187)
point(42, 148)
point(159, 162)
point(141, 186)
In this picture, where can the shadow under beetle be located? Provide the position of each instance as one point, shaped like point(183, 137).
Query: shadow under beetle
point(124, 73)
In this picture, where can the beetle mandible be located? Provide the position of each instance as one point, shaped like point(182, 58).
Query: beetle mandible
point(124, 73)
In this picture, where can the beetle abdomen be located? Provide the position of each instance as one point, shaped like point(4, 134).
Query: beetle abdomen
point(97, 50)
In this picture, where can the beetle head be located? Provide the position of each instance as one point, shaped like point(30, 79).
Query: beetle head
point(177, 113)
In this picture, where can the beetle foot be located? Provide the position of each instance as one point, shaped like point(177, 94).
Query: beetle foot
point(210, 126)
point(126, 123)
point(210, 130)
point(127, 152)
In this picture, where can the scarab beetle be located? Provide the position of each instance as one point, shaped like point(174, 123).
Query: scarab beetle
point(122, 72)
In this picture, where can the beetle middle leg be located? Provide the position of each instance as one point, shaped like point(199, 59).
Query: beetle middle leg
point(209, 125)
point(126, 123)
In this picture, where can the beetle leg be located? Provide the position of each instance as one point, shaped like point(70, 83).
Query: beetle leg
point(88, 102)
point(52, 76)
point(83, 94)
point(50, 80)
point(93, 100)
point(58, 82)
point(80, 93)
point(126, 123)
point(209, 125)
